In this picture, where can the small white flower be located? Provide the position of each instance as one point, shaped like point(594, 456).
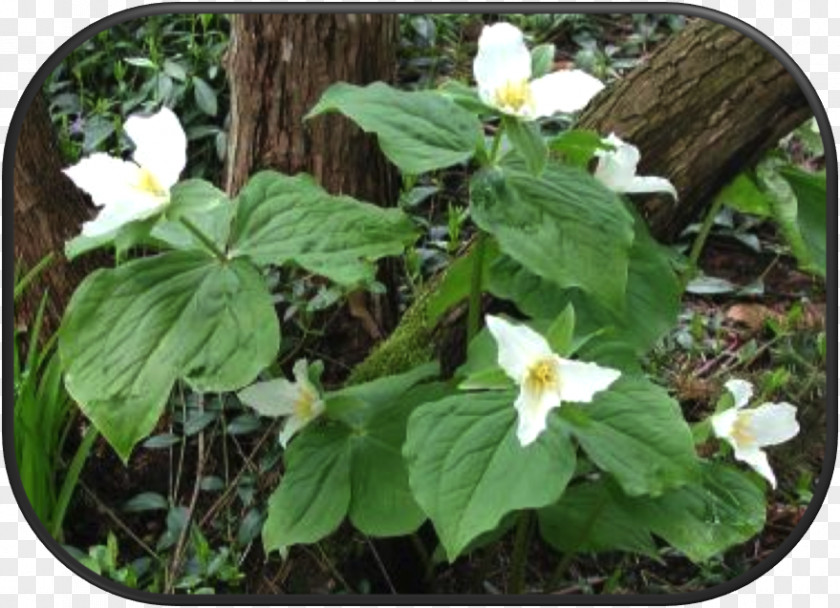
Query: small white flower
point(749, 430)
point(545, 380)
point(617, 170)
point(502, 70)
point(129, 191)
point(298, 400)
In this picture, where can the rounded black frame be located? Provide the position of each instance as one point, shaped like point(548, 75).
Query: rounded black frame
point(417, 599)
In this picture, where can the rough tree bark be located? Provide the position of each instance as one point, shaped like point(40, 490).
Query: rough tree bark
point(705, 106)
point(278, 65)
point(48, 210)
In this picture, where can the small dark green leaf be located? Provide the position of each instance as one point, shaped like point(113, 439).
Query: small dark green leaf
point(205, 96)
point(146, 501)
point(163, 440)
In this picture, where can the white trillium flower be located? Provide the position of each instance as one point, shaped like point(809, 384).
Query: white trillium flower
point(502, 70)
point(616, 169)
point(545, 379)
point(298, 400)
point(129, 191)
point(749, 430)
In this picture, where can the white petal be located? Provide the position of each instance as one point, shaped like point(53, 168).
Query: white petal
point(272, 398)
point(292, 425)
point(652, 184)
point(773, 423)
point(757, 459)
point(160, 145)
point(723, 422)
point(564, 91)
point(502, 58)
point(533, 409)
point(519, 346)
point(111, 184)
point(741, 391)
point(579, 381)
point(616, 168)
point(301, 371)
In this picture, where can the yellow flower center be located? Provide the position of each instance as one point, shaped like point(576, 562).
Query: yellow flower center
point(741, 433)
point(305, 402)
point(148, 183)
point(515, 95)
point(542, 376)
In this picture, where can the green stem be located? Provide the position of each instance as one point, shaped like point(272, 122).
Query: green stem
point(700, 241)
point(520, 553)
point(203, 238)
point(70, 481)
point(497, 142)
point(423, 554)
point(474, 311)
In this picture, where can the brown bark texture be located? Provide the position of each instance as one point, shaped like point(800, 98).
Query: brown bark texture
point(48, 210)
point(704, 107)
point(278, 66)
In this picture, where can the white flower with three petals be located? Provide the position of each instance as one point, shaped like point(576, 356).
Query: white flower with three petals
point(749, 430)
point(502, 70)
point(616, 169)
point(545, 379)
point(129, 191)
point(300, 400)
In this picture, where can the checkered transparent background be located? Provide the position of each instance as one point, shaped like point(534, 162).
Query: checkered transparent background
point(30, 30)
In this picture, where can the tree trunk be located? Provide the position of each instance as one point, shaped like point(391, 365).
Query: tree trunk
point(704, 107)
point(48, 210)
point(278, 66)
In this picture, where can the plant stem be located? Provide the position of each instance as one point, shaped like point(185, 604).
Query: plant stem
point(70, 482)
point(520, 553)
point(700, 240)
point(497, 141)
point(204, 239)
point(474, 311)
point(423, 553)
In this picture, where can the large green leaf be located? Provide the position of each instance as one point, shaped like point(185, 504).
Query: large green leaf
point(467, 468)
point(130, 332)
point(595, 516)
point(703, 519)
point(282, 219)
point(637, 432)
point(811, 212)
point(352, 466)
point(527, 140)
point(418, 131)
point(651, 309)
point(314, 495)
point(563, 226)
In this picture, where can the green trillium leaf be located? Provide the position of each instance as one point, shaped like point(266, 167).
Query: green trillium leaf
point(467, 469)
point(352, 465)
point(724, 508)
point(419, 131)
point(281, 219)
point(130, 332)
point(563, 226)
point(637, 432)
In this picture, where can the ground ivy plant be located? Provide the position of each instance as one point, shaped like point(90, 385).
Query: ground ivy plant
point(549, 424)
